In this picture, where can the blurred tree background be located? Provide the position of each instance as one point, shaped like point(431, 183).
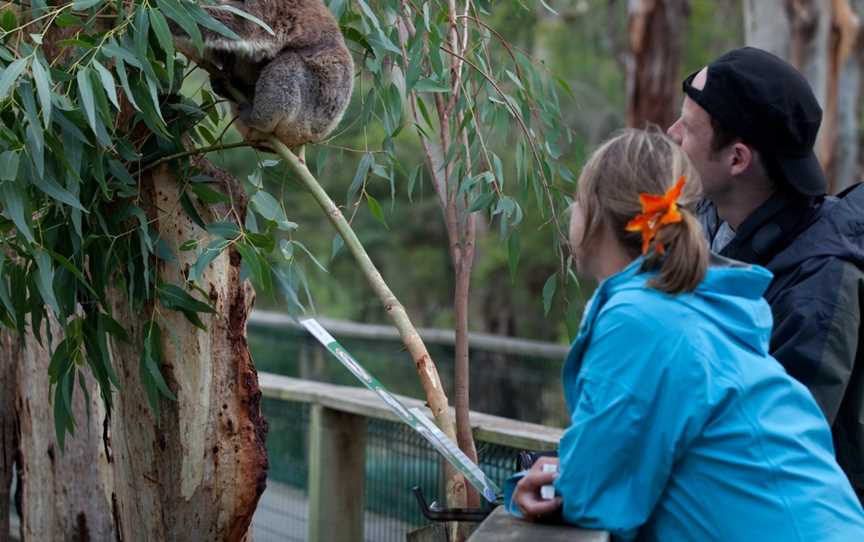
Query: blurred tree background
point(584, 47)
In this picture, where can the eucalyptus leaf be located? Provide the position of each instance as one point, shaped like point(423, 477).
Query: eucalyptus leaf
point(85, 91)
point(152, 359)
point(226, 230)
point(483, 201)
point(430, 85)
point(9, 165)
point(45, 280)
point(42, 77)
point(174, 11)
point(175, 297)
point(363, 168)
point(81, 5)
point(375, 209)
point(17, 207)
point(35, 144)
point(248, 16)
point(207, 194)
point(191, 211)
point(162, 31)
point(50, 187)
point(107, 83)
point(549, 292)
point(210, 253)
point(10, 76)
point(267, 206)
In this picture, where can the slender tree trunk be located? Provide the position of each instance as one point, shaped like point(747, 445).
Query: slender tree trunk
point(822, 39)
point(656, 30)
point(463, 264)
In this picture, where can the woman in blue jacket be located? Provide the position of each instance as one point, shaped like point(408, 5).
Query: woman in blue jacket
point(683, 427)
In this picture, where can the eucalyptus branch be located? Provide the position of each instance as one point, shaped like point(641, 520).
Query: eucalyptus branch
point(425, 366)
point(51, 14)
point(193, 152)
point(456, 67)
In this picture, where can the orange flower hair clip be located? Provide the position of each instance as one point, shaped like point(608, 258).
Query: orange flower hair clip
point(657, 211)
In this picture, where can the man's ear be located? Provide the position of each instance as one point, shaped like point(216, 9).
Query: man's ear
point(740, 158)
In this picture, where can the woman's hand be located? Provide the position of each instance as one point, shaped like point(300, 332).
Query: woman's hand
point(527, 493)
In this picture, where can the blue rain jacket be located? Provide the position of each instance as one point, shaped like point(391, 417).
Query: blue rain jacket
point(683, 427)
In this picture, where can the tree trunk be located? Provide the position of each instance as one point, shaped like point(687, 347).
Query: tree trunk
point(461, 402)
point(197, 472)
point(821, 39)
point(840, 144)
point(655, 30)
point(10, 358)
point(64, 495)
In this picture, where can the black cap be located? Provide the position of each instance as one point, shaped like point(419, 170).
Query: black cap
point(768, 104)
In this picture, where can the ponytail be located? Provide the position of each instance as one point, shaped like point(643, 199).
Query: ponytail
point(685, 262)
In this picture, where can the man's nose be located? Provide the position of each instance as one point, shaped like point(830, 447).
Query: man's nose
point(674, 132)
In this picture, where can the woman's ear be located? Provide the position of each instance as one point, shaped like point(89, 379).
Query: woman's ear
point(740, 157)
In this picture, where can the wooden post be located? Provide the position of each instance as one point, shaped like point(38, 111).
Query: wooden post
point(337, 459)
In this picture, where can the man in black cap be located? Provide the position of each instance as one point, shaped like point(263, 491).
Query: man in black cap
point(749, 122)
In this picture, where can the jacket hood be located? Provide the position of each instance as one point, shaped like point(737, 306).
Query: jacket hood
point(730, 297)
point(836, 231)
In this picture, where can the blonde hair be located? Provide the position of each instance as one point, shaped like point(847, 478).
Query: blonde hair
point(636, 161)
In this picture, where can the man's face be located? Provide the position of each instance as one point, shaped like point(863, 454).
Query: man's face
point(693, 132)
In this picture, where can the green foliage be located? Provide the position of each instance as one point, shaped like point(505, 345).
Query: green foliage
point(80, 129)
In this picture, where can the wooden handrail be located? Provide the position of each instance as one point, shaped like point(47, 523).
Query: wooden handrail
point(482, 341)
point(363, 402)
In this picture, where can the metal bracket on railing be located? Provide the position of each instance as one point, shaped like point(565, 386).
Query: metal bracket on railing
point(433, 512)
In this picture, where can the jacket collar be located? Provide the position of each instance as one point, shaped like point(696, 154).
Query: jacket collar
point(772, 227)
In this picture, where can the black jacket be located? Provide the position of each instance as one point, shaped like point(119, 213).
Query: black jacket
point(815, 248)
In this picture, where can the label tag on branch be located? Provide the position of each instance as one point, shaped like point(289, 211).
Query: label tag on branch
point(415, 418)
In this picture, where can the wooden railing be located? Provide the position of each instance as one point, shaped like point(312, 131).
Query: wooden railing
point(337, 437)
point(483, 341)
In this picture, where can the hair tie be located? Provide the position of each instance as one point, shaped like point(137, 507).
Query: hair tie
point(657, 211)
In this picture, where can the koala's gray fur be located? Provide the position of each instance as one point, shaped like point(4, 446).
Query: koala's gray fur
point(298, 82)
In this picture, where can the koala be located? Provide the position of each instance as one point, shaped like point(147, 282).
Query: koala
point(297, 83)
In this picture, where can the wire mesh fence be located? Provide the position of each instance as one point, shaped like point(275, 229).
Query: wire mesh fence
point(397, 459)
point(283, 509)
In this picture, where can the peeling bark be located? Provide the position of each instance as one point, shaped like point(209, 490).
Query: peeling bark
point(63, 494)
point(654, 53)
